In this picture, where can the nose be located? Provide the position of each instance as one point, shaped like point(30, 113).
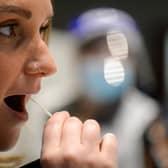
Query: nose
point(40, 62)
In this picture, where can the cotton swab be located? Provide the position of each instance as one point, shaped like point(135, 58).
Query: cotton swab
point(42, 107)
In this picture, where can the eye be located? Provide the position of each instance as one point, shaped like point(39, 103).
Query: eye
point(44, 31)
point(8, 30)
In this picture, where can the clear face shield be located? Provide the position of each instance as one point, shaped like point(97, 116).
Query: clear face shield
point(105, 71)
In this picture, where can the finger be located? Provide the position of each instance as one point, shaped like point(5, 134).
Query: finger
point(71, 133)
point(91, 134)
point(53, 130)
point(109, 146)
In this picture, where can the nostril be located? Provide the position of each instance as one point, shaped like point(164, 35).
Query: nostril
point(47, 66)
point(43, 66)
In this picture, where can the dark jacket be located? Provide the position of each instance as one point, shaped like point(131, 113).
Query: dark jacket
point(34, 164)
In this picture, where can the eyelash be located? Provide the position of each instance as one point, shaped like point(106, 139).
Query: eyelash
point(44, 28)
point(12, 32)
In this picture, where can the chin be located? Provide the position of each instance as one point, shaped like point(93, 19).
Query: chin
point(9, 141)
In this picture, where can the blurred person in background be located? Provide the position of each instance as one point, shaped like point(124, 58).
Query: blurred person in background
point(156, 134)
point(124, 109)
point(156, 141)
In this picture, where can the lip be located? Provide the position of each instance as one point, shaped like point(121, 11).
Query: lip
point(27, 93)
point(21, 116)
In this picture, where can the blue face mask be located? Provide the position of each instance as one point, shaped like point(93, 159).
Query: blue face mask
point(95, 86)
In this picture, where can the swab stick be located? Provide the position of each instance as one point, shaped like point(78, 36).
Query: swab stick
point(42, 107)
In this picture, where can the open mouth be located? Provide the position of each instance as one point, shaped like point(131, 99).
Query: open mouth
point(16, 102)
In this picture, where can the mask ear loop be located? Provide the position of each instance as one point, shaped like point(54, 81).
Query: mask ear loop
point(43, 108)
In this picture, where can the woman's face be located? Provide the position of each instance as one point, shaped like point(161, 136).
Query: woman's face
point(24, 60)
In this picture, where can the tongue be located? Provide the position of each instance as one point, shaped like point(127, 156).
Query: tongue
point(15, 102)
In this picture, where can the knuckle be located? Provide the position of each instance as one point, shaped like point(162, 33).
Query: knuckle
point(74, 120)
point(112, 140)
point(97, 161)
point(59, 115)
point(50, 159)
point(108, 163)
point(113, 137)
point(114, 143)
point(71, 155)
point(93, 123)
point(90, 163)
point(72, 123)
point(57, 118)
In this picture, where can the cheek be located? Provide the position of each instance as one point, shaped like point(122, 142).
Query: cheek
point(10, 68)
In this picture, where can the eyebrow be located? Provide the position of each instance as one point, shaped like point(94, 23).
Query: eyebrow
point(16, 10)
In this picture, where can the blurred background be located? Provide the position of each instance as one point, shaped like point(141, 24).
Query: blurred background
point(151, 135)
point(152, 18)
point(142, 143)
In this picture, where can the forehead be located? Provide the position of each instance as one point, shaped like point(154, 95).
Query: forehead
point(42, 8)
